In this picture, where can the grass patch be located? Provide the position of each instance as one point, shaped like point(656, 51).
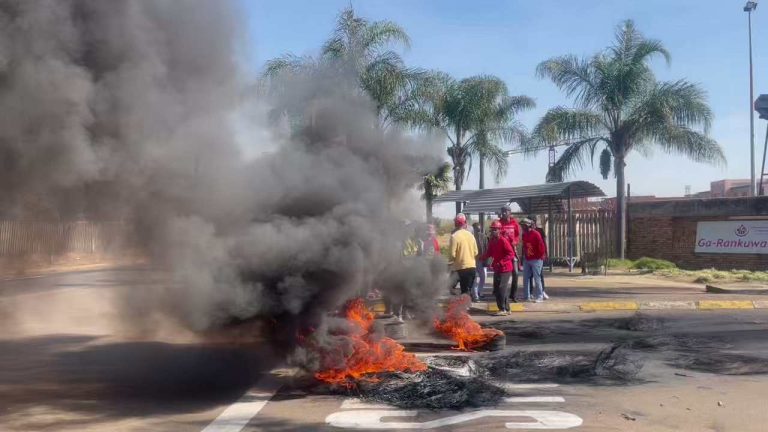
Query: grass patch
point(654, 264)
point(712, 275)
point(620, 264)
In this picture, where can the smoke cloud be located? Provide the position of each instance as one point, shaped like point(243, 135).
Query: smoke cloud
point(124, 110)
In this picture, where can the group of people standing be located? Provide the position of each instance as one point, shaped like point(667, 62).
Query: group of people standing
point(472, 252)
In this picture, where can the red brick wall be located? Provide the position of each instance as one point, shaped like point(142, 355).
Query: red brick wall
point(674, 239)
point(668, 231)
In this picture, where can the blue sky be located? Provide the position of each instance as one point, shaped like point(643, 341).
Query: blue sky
point(707, 39)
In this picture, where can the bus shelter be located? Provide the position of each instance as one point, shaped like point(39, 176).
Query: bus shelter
point(548, 198)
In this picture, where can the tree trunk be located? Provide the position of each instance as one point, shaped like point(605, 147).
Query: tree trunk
point(428, 200)
point(621, 207)
point(482, 186)
point(457, 183)
point(458, 160)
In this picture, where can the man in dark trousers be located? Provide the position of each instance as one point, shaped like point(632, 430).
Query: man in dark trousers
point(463, 253)
point(503, 255)
point(511, 229)
point(482, 245)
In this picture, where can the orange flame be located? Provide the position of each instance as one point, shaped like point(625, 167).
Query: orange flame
point(367, 355)
point(461, 328)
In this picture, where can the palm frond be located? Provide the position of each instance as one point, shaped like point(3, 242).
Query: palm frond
point(632, 47)
point(690, 143)
point(381, 33)
point(436, 182)
point(288, 64)
point(678, 102)
point(512, 105)
point(563, 124)
point(573, 75)
point(491, 154)
point(572, 159)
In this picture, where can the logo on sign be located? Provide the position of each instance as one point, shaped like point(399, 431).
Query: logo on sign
point(742, 230)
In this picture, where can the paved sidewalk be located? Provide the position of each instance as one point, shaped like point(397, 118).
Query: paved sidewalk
point(576, 293)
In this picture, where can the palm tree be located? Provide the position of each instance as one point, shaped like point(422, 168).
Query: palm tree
point(359, 49)
point(433, 184)
point(496, 124)
point(476, 114)
point(620, 107)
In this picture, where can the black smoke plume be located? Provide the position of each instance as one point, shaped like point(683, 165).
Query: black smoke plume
point(134, 110)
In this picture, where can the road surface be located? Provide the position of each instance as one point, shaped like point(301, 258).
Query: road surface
point(69, 362)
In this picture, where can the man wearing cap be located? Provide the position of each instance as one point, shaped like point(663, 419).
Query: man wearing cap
point(463, 252)
point(536, 227)
point(534, 252)
point(501, 251)
point(511, 229)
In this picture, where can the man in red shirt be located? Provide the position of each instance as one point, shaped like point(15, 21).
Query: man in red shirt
point(534, 251)
point(509, 225)
point(503, 254)
point(511, 229)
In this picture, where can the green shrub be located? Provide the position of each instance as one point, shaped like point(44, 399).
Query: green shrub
point(646, 263)
point(615, 263)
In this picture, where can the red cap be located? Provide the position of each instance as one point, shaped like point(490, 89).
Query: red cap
point(496, 224)
point(460, 220)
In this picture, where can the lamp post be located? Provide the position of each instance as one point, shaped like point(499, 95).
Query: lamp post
point(749, 8)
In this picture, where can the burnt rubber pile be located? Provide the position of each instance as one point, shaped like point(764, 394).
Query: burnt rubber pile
point(478, 379)
point(433, 389)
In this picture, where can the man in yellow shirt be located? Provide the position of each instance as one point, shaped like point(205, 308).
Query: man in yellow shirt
point(463, 252)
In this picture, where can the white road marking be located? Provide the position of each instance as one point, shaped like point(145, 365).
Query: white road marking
point(518, 399)
point(237, 415)
point(513, 386)
point(371, 419)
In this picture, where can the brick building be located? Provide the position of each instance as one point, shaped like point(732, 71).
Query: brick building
point(668, 230)
point(729, 188)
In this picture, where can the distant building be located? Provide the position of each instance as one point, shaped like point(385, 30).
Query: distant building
point(729, 188)
point(726, 188)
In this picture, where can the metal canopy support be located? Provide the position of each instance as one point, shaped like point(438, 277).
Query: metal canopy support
point(761, 190)
point(571, 259)
point(549, 232)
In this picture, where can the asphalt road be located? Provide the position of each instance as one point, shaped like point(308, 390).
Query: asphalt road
point(69, 362)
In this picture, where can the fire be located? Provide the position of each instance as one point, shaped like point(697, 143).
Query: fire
point(367, 353)
point(459, 326)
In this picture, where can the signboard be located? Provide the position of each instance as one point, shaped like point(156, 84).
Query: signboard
point(735, 237)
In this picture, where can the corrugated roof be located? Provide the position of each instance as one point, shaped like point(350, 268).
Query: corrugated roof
point(532, 199)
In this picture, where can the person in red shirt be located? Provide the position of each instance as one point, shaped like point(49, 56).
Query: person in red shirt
point(433, 239)
point(535, 226)
point(509, 225)
point(503, 254)
point(534, 252)
point(511, 229)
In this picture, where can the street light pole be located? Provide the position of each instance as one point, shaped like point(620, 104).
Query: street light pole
point(748, 8)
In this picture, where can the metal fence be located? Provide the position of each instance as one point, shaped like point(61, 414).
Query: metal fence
point(594, 232)
point(24, 238)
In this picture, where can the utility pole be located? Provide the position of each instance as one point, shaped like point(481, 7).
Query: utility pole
point(749, 8)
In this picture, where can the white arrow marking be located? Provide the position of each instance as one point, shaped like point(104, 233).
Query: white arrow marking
point(354, 403)
point(371, 419)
